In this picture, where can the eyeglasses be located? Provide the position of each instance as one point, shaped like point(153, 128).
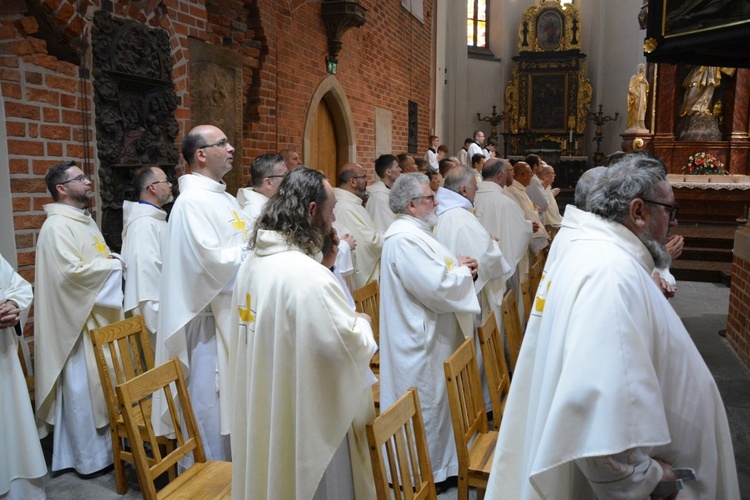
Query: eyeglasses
point(80, 178)
point(159, 182)
point(363, 176)
point(274, 176)
point(672, 209)
point(430, 197)
point(222, 143)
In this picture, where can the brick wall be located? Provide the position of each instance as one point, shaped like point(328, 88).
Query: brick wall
point(283, 45)
point(738, 321)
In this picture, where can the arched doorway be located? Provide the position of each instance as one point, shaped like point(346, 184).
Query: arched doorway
point(329, 139)
point(323, 145)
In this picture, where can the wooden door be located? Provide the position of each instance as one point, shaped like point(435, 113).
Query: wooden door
point(323, 147)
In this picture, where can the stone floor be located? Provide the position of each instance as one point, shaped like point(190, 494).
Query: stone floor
point(702, 307)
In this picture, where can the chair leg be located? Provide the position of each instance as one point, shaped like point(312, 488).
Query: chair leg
point(121, 482)
point(480, 493)
point(463, 487)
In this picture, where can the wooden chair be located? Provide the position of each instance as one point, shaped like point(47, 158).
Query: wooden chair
point(205, 478)
point(512, 323)
point(123, 348)
point(400, 430)
point(367, 300)
point(24, 356)
point(536, 276)
point(495, 368)
point(475, 443)
point(526, 295)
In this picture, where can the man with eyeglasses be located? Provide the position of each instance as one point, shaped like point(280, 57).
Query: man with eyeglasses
point(207, 238)
point(388, 170)
point(610, 397)
point(266, 173)
point(521, 179)
point(475, 148)
point(144, 232)
point(78, 288)
point(427, 308)
point(351, 214)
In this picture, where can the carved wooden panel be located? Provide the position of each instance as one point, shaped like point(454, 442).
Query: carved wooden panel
point(135, 103)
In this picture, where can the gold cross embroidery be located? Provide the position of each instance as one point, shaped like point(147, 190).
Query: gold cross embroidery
point(100, 246)
point(450, 263)
point(246, 314)
point(239, 224)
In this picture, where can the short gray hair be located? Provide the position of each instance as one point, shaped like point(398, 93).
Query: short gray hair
point(406, 188)
point(492, 167)
point(584, 185)
point(634, 176)
point(458, 176)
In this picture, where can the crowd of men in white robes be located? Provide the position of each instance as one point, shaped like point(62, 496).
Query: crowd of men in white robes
point(248, 292)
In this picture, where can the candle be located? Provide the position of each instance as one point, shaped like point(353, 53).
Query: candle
point(576, 143)
point(570, 138)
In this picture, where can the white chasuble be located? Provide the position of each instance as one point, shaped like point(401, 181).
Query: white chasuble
point(252, 203)
point(143, 235)
point(299, 365)
point(206, 236)
point(539, 239)
point(21, 457)
point(427, 308)
point(551, 216)
point(378, 207)
point(71, 271)
point(607, 366)
point(503, 219)
point(350, 212)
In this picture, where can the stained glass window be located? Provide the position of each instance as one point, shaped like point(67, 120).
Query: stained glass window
point(476, 23)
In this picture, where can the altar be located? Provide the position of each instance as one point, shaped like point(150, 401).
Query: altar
point(710, 198)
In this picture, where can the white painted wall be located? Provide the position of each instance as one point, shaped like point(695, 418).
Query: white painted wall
point(610, 37)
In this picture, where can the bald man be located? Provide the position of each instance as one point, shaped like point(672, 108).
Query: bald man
point(349, 212)
point(521, 179)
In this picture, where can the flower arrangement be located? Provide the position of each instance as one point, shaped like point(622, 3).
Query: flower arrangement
point(703, 164)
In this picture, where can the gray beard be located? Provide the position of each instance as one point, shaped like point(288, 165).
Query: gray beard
point(430, 219)
point(658, 251)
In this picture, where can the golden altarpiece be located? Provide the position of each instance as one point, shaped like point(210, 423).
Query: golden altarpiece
point(549, 96)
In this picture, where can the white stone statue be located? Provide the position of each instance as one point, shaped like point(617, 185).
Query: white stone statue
point(638, 100)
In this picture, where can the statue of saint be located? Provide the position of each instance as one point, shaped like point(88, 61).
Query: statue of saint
point(638, 100)
point(699, 85)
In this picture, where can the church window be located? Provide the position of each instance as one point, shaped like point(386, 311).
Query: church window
point(476, 24)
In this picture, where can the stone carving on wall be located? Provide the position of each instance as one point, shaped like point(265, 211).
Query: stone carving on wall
point(135, 103)
point(216, 97)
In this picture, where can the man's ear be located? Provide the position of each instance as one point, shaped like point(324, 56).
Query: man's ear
point(313, 209)
point(638, 212)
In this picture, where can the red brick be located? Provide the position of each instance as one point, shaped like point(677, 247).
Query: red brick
point(68, 101)
point(24, 240)
point(12, 90)
point(40, 201)
point(61, 83)
point(54, 149)
point(28, 221)
point(40, 167)
point(29, 275)
point(64, 14)
point(7, 32)
point(43, 95)
point(72, 117)
point(19, 110)
point(27, 25)
point(15, 129)
point(25, 148)
point(21, 203)
point(22, 48)
point(33, 130)
point(11, 75)
point(12, 7)
point(61, 132)
point(18, 165)
point(26, 258)
point(51, 115)
point(45, 61)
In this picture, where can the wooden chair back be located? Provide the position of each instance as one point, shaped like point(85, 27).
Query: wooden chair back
point(122, 351)
point(536, 276)
point(367, 300)
point(475, 443)
point(526, 296)
point(495, 367)
point(512, 323)
point(400, 432)
point(204, 479)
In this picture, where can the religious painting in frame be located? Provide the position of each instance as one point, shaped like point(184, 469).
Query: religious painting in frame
point(549, 29)
point(682, 17)
point(547, 105)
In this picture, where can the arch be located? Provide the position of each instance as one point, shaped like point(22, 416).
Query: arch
point(332, 93)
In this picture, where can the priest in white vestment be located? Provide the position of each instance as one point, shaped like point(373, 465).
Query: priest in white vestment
point(521, 179)
point(388, 170)
point(551, 216)
point(22, 464)
point(610, 394)
point(350, 212)
point(299, 359)
point(535, 189)
point(475, 148)
point(427, 308)
point(206, 242)
point(144, 231)
point(266, 173)
point(78, 288)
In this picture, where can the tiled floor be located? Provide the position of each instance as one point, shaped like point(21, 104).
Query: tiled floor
point(702, 307)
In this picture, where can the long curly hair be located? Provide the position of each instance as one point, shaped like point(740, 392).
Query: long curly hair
point(288, 211)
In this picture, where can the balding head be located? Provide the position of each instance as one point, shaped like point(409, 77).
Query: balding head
point(494, 171)
point(522, 173)
point(461, 180)
point(353, 178)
